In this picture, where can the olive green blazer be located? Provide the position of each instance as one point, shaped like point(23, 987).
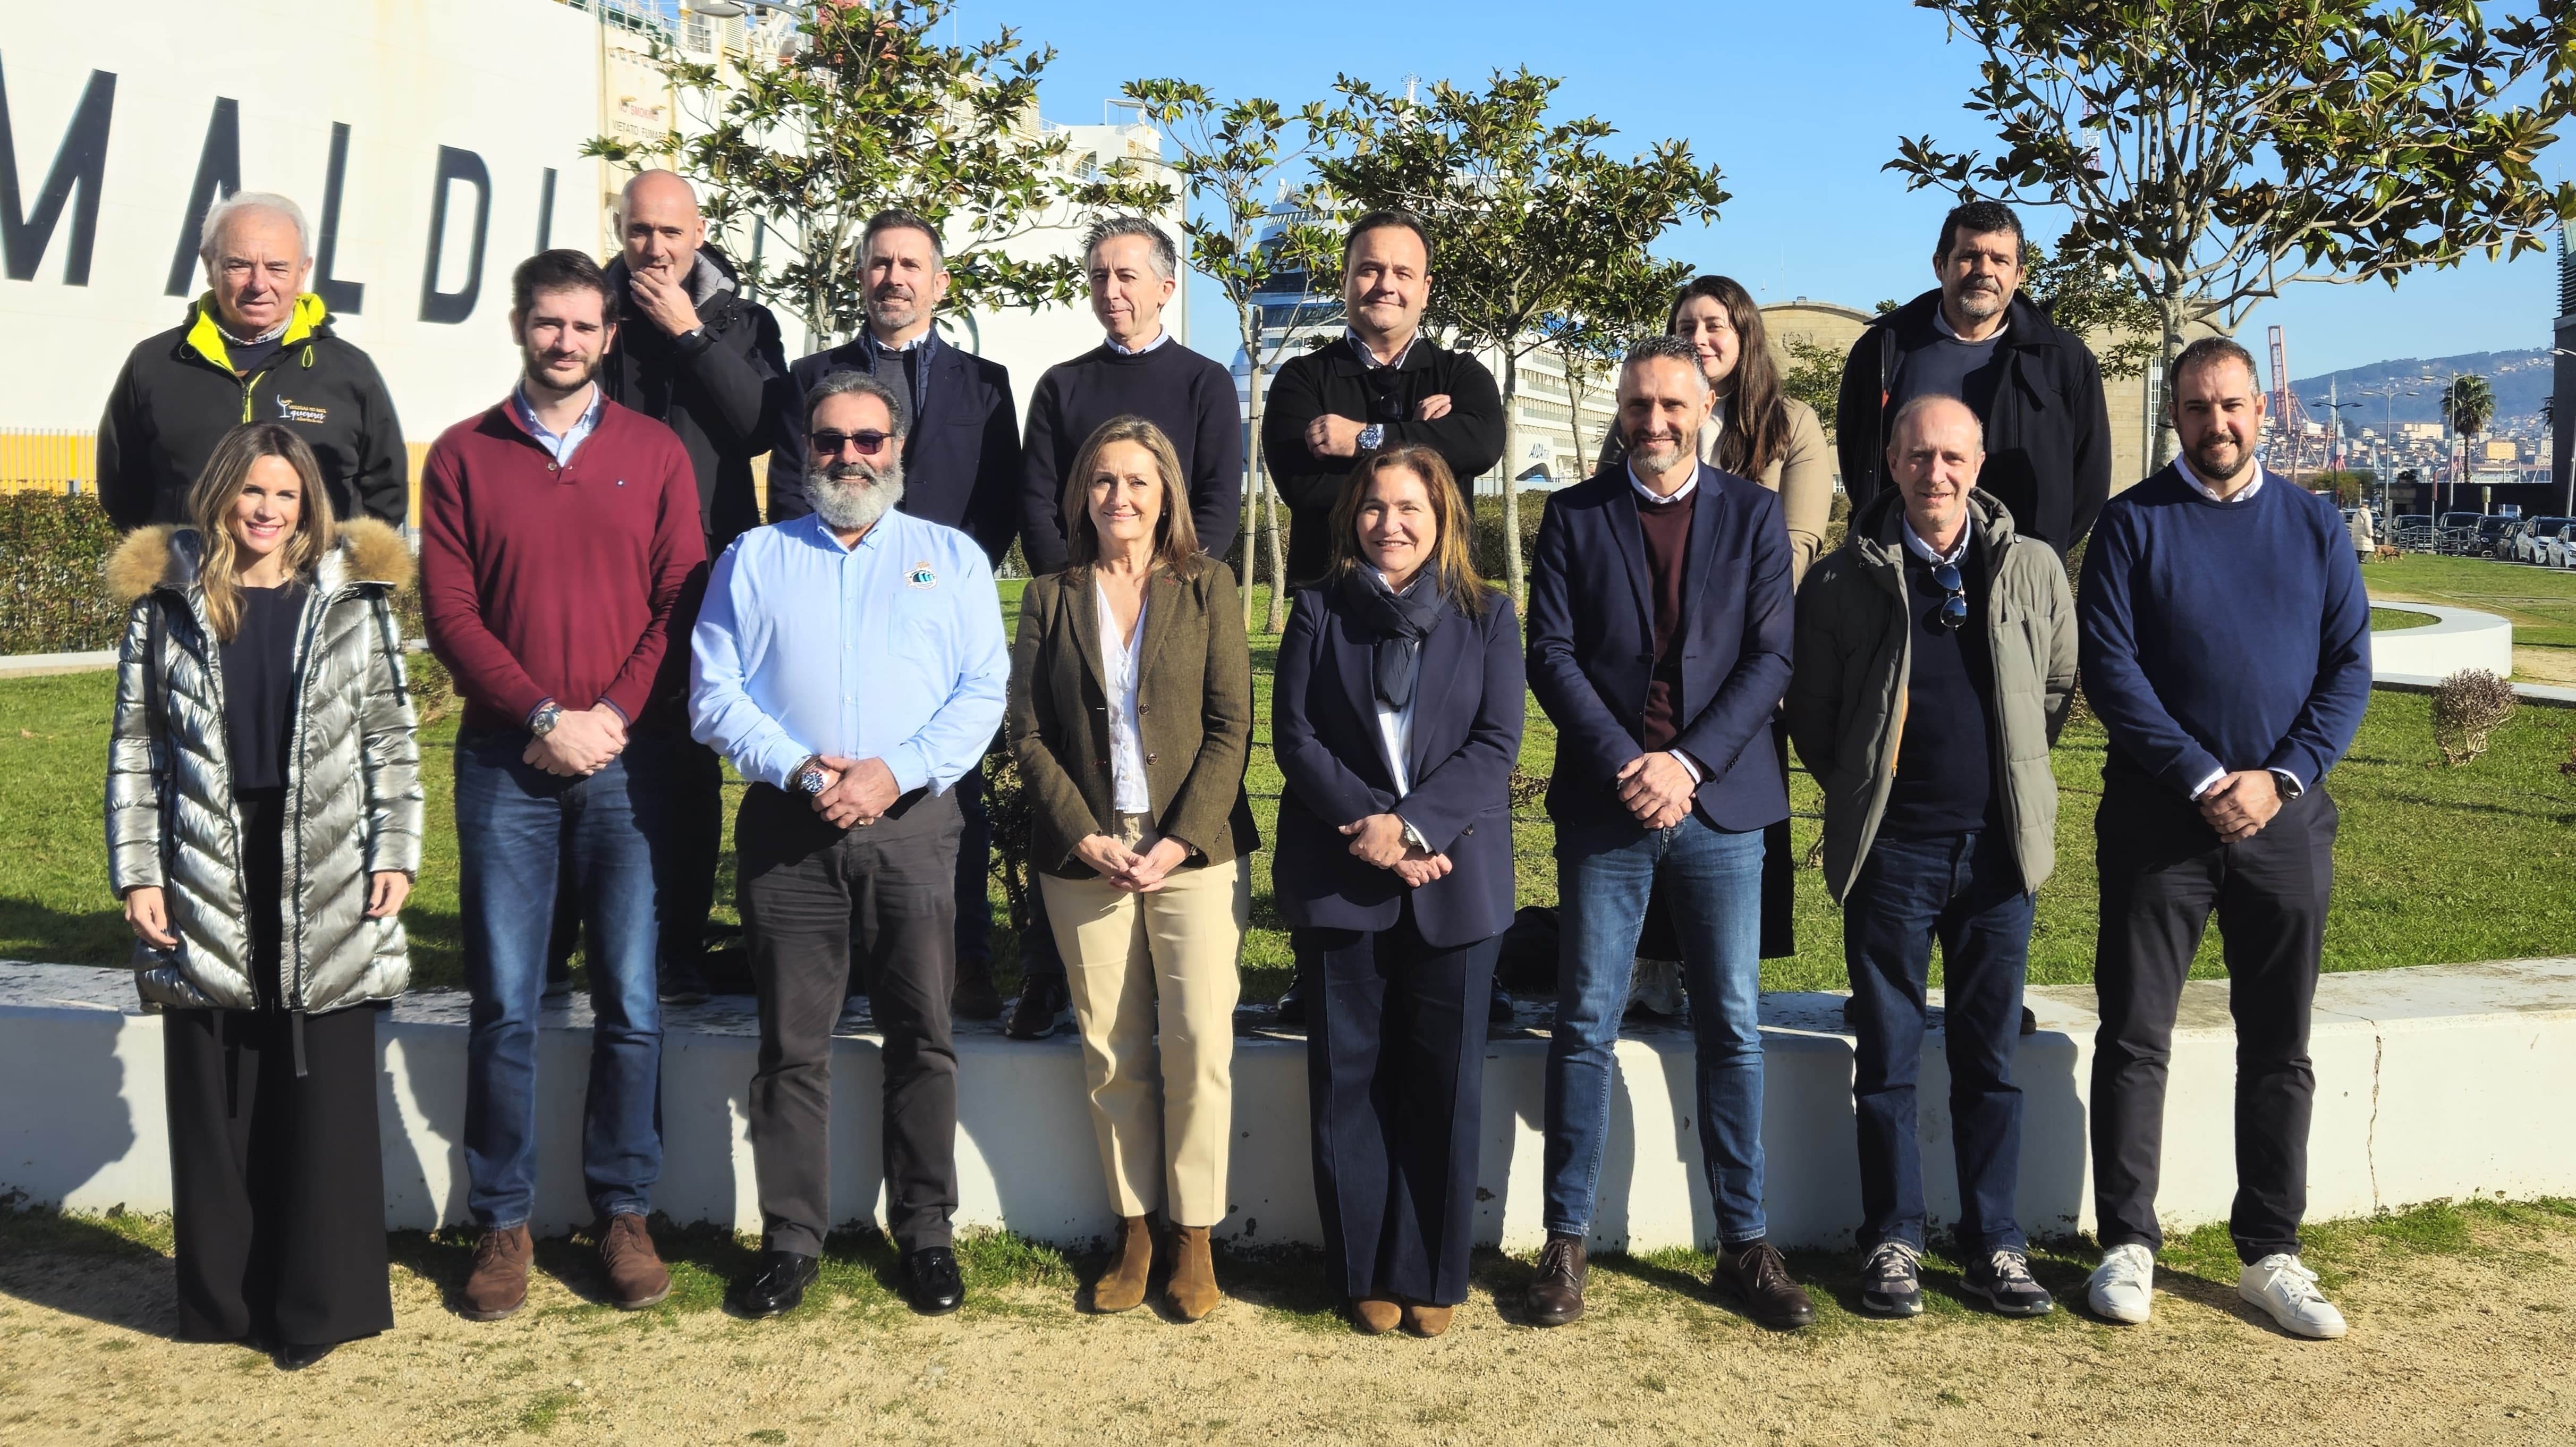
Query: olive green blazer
point(1193, 715)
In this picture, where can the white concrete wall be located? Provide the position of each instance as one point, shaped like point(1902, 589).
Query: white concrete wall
point(2435, 1082)
point(2459, 638)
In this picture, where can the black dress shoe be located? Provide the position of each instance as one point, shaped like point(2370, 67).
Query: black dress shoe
point(1555, 1294)
point(1040, 1009)
point(297, 1358)
point(1291, 1009)
point(933, 1282)
point(780, 1285)
point(1759, 1281)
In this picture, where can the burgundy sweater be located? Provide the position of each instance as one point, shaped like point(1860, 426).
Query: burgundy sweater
point(539, 582)
point(1667, 530)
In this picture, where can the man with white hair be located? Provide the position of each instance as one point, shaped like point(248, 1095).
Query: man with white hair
point(850, 663)
point(256, 347)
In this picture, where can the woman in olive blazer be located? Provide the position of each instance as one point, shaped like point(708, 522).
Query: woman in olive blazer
point(1131, 719)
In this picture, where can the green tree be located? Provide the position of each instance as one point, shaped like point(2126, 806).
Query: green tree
point(1520, 210)
point(1815, 377)
point(866, 111)
point(2087, 296)
point(1233, 157)
point(1611, 310)
point(2218, 153)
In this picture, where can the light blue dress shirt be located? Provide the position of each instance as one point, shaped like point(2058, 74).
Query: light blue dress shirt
point(560, 448)
point(890, 650)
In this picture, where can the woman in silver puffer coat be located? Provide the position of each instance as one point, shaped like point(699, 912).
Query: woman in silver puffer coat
point(263, 828)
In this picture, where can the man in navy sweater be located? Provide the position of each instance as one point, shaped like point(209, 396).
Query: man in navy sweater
point(2226, 647)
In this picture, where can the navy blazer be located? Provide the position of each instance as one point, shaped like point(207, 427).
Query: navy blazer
point(1592, 645)
point(961, 462)
point(1467, 711)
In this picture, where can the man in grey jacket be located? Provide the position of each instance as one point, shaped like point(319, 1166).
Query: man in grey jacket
point(1935, 660)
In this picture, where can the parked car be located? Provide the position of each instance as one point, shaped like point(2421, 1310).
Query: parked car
point(2531, 538)
point(2412, 531)
point(2558, 548)
point(2495, 538)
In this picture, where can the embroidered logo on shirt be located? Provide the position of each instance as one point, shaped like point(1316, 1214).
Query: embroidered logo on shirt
point(293, 411)
point(921, 576)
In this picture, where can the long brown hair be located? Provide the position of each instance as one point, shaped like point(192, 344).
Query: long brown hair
point(210, 503)
point(1757, 425)
point(1176, 538)
point(1453, 562)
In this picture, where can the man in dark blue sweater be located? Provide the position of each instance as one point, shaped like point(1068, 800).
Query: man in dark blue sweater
point(2226, 649)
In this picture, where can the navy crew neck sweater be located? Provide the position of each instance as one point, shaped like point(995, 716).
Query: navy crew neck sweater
point(1188, 394)
point(2223, 635)
point(1945, 753)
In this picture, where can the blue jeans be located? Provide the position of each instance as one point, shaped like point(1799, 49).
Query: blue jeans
point(1966, 891)
point(1713, 881)
point(516, 825)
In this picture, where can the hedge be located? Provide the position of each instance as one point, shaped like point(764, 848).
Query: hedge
point(53, 593)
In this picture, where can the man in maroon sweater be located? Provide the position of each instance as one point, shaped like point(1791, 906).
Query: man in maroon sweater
point(559, 536)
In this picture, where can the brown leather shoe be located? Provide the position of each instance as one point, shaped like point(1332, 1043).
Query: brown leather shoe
point(1373, 1316)
point(1555, 1294)
point(1423, 1319)
point(1193, 1288)
point(1759, 1281)
point(1122, 1286)
point(499, 1282)
point(636, 1276)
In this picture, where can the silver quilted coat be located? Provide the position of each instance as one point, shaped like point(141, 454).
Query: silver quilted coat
point(353, 799)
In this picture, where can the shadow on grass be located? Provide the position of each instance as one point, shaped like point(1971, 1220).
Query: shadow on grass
point(113, 1269)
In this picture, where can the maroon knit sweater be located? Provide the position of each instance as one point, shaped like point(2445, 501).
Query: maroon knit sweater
point(540, 582)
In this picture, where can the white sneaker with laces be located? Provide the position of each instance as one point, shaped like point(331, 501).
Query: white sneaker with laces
point(2282, 1285)
point(2122, 1288)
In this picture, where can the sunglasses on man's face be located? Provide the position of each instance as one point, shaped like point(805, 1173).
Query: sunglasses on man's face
point(829, 444)
point(1954, 609)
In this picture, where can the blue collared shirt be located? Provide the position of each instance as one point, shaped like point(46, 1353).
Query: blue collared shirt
point(561, 448)
point(890, 650)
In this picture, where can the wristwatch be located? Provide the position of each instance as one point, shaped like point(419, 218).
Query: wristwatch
point(1372, 437)
point(810, 777)
point(543, 721)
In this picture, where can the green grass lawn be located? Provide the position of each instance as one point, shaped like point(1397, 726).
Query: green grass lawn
point(2540, 602)
point(2390, 620)
point(2436, 864)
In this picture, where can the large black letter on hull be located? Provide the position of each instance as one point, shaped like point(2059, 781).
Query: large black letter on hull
point(80, 161)
point(340, 296)
point(218, 174)
point(455, 306)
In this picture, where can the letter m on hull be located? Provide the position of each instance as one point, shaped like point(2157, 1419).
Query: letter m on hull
point(80, 162)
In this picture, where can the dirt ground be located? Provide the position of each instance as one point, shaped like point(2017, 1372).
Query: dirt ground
point(2462, 1332)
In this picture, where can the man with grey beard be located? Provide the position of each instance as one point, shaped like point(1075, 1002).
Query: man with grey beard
point(851, 664)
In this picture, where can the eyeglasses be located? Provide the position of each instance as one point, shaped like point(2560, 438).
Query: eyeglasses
point(829, 444)
point(1954, 609)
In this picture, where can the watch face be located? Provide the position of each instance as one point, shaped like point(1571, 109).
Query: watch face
point(811, 781)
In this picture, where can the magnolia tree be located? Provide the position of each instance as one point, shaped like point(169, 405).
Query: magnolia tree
point(1613, 308)
point(865, 109)
point(2218, 153)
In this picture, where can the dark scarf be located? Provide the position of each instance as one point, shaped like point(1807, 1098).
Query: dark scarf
point(1400, 623)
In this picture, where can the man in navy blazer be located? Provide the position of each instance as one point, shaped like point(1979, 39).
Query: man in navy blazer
point(1659, 642)
point(961, 468)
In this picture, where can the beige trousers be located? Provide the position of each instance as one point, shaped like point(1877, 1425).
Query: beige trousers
point(1143, 965)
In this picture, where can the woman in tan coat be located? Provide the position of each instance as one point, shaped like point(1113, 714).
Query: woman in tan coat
point(1131, 720)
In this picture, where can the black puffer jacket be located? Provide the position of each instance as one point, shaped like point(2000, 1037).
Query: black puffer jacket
point(715, 388)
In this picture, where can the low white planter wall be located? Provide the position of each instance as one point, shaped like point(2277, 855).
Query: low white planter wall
point(2458, 638)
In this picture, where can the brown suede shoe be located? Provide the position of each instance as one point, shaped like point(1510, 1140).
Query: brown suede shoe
point(499, 1283)
point(1193, 1288)
point(1122, 1286)
point(1555, 1294)
point(636, 1276)
point(1374, 1317)
point(1759, 1281)
point(1423, 1319)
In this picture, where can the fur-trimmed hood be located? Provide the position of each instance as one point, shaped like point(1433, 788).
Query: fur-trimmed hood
point(167, 556)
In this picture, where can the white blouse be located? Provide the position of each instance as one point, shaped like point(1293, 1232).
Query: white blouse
point(1119, 665)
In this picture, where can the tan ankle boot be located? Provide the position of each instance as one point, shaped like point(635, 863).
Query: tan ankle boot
point(1193, 1288)
point(1122, 1286)
point(1374, 1315)
point(1424, 1319)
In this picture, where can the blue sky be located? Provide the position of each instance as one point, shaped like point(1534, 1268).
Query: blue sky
point(1799, 104)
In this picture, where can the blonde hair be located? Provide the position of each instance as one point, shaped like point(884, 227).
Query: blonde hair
point(1453, 560)
point(210, 503)
point(1176, 538)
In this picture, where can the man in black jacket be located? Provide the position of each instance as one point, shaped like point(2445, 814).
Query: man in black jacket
point(2033, 384)
point(255, 347)
point(961, 467)
point(1381, 385)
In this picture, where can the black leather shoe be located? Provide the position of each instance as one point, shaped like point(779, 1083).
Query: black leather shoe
point(1498, 1011)
point(1291, 1009)
point(933, 1282)
point(1040, 1010)
point(780, 1285)
point(1759, 1281)
point(297, 1358)
point(1555, 1294)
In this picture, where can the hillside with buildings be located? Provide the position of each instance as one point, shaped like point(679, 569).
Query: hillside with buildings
point(2410, 389)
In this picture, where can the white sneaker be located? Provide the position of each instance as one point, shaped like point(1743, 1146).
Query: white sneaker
point(2281, 1285)
point(2122, 1288)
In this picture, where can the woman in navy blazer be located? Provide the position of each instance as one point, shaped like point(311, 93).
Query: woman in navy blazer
point(1396, 717)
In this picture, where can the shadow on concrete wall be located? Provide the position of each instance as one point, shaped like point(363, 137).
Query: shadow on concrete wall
point(87, 1127)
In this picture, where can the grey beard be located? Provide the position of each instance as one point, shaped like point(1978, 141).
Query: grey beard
point(851, 496)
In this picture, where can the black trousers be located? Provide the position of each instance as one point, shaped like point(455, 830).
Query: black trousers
point(810, 893)
point(1395, 1084)
point(2163, 873)
point(277, 1180)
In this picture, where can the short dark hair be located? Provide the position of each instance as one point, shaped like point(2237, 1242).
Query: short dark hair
point(895, 218)
point(1379, 220)
point(1667, 348)
point(561, 269)
point(1167, 260)
point(1976, 218)
point(2205, 351)
point(835, 384)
